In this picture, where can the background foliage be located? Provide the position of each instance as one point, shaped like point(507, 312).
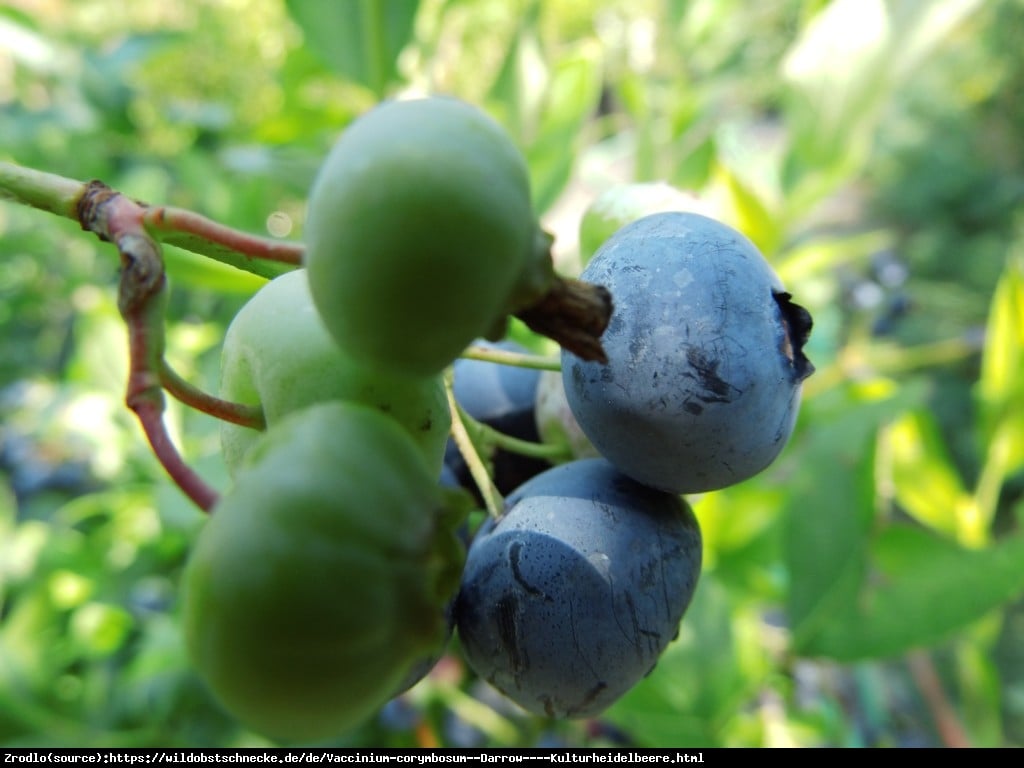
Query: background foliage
point(865, 590)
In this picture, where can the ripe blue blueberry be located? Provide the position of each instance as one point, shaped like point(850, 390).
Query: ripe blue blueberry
point(702, 385)
point(503, 397)
point(568, 600)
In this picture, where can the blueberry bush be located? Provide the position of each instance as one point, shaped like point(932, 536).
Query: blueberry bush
point(672, 398)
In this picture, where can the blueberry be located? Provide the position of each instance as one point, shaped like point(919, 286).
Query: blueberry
point(502, 397)
point(705, 360)
point(555, 421)
point(569, 599)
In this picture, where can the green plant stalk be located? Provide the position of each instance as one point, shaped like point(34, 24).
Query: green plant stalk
point(62, 196)
point(235, 413)
point(549, 451)
point(518, 359)
point(477, 468)
point(38, 189)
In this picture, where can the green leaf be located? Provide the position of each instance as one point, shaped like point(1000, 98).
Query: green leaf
point(358, 39)
point(1001, 383)
point(830, 509)
point(747, 212)
point(825, 540)
point(194, 271)
point(842, 72)
point(546, 102)
point(1003, 357)
point(921, 588)
point(925, 483)
point(571, 98)
point(513, 96)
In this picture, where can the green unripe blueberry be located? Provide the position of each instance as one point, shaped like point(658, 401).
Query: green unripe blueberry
point(322, 578)
point(277, 354)
point(420, 234)
point(621, 204)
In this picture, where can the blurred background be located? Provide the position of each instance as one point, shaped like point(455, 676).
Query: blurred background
point(864, 591)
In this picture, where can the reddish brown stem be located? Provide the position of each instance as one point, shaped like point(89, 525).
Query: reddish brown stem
point(141, 297)
point(922, 669)
point(141, 304)
point(573, 313)
point(226, 410)
point(178, 220)
point(150, 415)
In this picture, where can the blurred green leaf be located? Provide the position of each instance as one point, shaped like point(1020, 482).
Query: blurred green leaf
point(1001, 383)
point(843, 70)
point(546, 102)
point(571, 99)
point(920, 588)
point(830, 510)
point(359, 39)
point(190, 270)
point(925, 483)
point(100, 627)
point(747, 213)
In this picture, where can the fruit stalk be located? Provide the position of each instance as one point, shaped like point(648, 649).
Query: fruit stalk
point(573, 313)
point(189, 230)
point(225, 410)
point(477, 468)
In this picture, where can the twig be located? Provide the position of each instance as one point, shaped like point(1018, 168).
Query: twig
point(571, 312)
point(63, 197)
point(142, 294)
point(575, 314)
point(922, 669)
point(190, 230)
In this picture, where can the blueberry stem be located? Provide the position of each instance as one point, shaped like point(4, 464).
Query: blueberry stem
point(517, 359)
point(492, 438)
point(192, 396)
point(477, 468)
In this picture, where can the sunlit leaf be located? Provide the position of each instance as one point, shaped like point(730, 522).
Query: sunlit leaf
point(100, 627)
point(1001, 384)
point(925, 483)
point(1000, 388)
point(843, 70)
point(193, 271)
point(748, 213)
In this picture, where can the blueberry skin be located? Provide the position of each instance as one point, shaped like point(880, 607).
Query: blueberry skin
point(504, 398)
point(705, 360)
point(570, 598)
